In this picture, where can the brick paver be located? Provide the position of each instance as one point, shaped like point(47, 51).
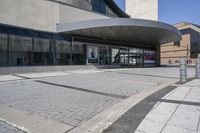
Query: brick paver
point(62, 102)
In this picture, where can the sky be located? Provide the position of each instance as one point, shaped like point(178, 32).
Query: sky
point(174, 11)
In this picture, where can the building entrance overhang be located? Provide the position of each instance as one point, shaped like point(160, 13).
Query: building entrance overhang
point(123, 30)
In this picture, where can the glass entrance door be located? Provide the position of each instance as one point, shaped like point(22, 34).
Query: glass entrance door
point(131, 57)
point(135, 60)
point(104, 55)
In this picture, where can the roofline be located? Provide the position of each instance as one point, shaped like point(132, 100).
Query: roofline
point(118, 22)
point(187, 25)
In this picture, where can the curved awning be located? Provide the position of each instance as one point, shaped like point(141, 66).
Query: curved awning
point(123, 30)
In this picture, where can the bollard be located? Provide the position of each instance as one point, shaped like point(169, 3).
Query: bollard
point(183, 70)
point(198, 68)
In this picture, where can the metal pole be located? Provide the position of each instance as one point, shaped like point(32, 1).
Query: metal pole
point(187, 53)
point(183, 70)
point(198, 68)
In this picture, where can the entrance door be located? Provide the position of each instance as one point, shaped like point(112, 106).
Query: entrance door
point(135, 60)
point(104, 55)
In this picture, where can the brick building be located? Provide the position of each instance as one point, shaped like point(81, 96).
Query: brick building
point(188, 47)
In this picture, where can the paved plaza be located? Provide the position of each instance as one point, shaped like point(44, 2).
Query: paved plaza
point(60, 102)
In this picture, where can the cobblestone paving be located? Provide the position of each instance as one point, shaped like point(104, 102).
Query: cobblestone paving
point(68, 102)
point(163, 72)
point(7, 128)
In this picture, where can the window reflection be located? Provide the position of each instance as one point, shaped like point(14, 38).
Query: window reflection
point(102, 7)
point(42, 52)
point(104, 55)
point(20, 51)
point(3, 50)
point(115, 55)
point(78, 54)
point(62, 53)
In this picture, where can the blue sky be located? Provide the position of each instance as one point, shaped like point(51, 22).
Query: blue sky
point(174, 11)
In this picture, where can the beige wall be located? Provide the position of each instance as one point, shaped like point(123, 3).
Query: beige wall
point(174, 53)
point(70, 14)
point(142, 9)
point(35, 14)
point(84, 4)
point(43, 14)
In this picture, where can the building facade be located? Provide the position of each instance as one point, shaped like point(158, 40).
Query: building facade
point(188, 47)
point(142, 9)
point(77, 32)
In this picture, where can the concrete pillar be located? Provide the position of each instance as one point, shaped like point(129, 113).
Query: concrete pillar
point(198, 69)
point(183, 70)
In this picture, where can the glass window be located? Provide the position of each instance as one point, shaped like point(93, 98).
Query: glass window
point(42, 52)
point(115, 55)
point(3, 50)
point(62, 53)
point(124, 58)
point(136, 50)
point(104, 55)
point(78, 54)
point(20, 51)
point(124, 50)
point(102, 7)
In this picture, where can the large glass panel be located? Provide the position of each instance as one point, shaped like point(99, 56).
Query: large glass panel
point(131, 57)
point(149, 58)
point(3, 50)
point(136, 50)
point(115, 55)
point(20, 51)
point(104, 55)
point(93, 54)
point(78, 54)
point(135, 60)
point(42, 52)
point(124, 58)
point(62, 53)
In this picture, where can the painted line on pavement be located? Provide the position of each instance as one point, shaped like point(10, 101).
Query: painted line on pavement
point(156, 76)
point(84, 90)
point(180, 102)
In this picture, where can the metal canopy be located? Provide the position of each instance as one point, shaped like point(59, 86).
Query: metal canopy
point(124, 30)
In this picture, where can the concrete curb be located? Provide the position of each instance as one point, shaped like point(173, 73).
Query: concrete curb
point(103, 120)
point(16, 126)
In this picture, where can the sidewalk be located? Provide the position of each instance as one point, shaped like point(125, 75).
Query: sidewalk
point(177, 112)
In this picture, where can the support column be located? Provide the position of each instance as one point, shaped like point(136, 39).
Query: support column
point(158, 55)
